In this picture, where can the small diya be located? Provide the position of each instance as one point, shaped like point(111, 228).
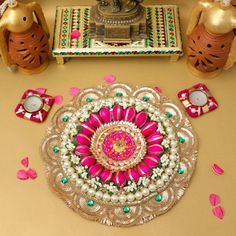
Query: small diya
point(120, 155)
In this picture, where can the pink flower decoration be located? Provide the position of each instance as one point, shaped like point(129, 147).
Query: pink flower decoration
point(155, 149)
point(149, 128)
point(106, 175)
point(105, 115)
point(95, 170)
point(87, 128)
point(83, 139)
point(82, 150)
point(214, 199)
point(119, 178)
point(141, 119)
point(41, 90)
point(129, 114)
point(74, 91)
point(218, 212)
point(75, 34)
point(143, 169)
point(132, 174)
point(217, 169)
point(110, 79)
point(117, 112)
point(25, 162)
point(158, 89)
point(32, 173)
point(95, 120)
point(151, 160)
point(22, 175)
point(58, 100)
point(155, 138)
point(88, 161)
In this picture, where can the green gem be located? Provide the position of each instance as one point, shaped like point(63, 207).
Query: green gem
point(146, 98)
point(180, 171)
point(182, 140)
point(126, 209)
point(169, 114)
point(90, 203)
point(158, 198)
point(64, 180)
point(119, 94)
point(89, 99)
point(56, 149)
point(65, 118)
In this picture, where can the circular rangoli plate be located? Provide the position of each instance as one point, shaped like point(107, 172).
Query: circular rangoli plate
point(120, 155)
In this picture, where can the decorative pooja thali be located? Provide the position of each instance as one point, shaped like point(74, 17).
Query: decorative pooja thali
point(120, 155)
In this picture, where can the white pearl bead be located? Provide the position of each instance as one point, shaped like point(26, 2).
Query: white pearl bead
point(79, 182)
point(174, 143)
point(145, 192)
point(173, 150)
point(106, 197)
point(70, 171)
point(171, 136)
point(165, 177)
point(66, 131)
point(122, 198)
point(130, 197)
point(166, 124)
point(151, 109)
point(74, 119)
point(138, 195)
point(84, 188)
point(169, 130)
point(64, 151)
point(114, 198)
point(152, 187)
point(99, 195)
point(66, 163)
point(91, 192)
point(173, 157)
point(169, 171)
point(74, 176)
point(172, 165)
point(160, 183)
point(63, 144)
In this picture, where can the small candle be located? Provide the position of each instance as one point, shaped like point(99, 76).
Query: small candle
point(198, 98)
point(33, 104)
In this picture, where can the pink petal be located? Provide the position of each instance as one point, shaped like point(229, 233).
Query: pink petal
point(110, 79)
point(22, 175)
point(217, 170)
point(158, 89)
point(32, 173)
point(58, 100)
point(218, 212)
point(25, 162)
point(74, 91)
point(214, 199)
point(75, 34)
point(41, 90)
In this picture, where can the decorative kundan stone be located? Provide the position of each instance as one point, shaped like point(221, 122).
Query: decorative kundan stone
point(125, 153)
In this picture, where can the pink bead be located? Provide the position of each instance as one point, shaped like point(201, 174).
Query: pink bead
point(87, 128)
point(141, 119)
point(88, 161)
point(143, 169)
point(82, 150)
point(129, 114)
point(155, 138)
point(117, 112)
point(119, 178)
point(132, 175)
point(32, 173)
point(105, 114)
point(151, 160)
point(155, 149)
point(106, 176)
point(149, 128)
point(95, 120)
point(95, 170)
point(83, 139)
point(217, 169)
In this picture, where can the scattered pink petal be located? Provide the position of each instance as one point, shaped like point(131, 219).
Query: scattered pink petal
point(214, 199)
point(74, 91)
point(219, 212)
point(110, 79)
point(58, 100)
point(158, 89)
point(41, 90)
point(217, 170)
point(32, 173)
point(25, 162)
point(75, 34)
point(22, 175)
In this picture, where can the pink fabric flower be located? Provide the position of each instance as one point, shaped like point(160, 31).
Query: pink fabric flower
point(74, 91)
point(110, 79)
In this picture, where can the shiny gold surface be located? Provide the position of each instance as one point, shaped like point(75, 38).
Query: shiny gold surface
point(29, 208)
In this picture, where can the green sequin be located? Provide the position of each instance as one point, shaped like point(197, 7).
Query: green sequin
point(65, 118)
point(146, 98)
point(169, 114)
point(180, 171)
point(158, 198)
point(119, 94)
point(182, 139)
point(126, 209)
point(56, 149)
point(64, 180)
point(89, 99)
point(90, 203)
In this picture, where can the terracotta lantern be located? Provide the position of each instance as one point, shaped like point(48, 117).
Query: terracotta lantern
point(24, 43)
point(211, 44)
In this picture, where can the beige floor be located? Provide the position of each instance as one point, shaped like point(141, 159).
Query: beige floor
point(29, 208)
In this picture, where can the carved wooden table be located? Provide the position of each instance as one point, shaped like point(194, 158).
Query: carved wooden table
point(164, 36)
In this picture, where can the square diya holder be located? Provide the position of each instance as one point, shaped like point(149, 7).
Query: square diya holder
point(163, 35)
